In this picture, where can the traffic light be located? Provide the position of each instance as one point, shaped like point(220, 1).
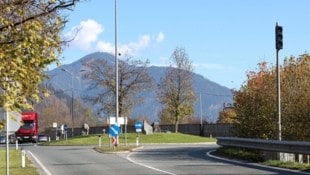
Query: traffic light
point(279, 37)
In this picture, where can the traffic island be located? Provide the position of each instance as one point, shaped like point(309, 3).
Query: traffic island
point(117, 149)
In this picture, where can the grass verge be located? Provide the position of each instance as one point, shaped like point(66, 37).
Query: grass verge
point(239, 154)
point(256, 156)
point(15, 164)
point(289, 165)
point(130, 138)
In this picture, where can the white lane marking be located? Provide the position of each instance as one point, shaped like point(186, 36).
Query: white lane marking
point(40, 164)
point(147, 166)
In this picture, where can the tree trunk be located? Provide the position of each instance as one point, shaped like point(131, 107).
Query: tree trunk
point(176, 127)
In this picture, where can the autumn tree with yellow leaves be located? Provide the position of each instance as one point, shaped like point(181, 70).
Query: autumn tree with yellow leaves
point(175, 90)
point(256, 107)
point(30, 40)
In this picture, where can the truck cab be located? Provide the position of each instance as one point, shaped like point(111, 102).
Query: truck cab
point(28, 131)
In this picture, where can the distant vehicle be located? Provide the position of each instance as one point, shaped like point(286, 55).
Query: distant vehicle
point(15, 119)
point(2, 139)
point(42, 138)
point(28, 132)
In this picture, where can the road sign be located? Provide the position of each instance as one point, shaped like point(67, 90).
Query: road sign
point(54, 125)
point(138, 126)
point(114, 130)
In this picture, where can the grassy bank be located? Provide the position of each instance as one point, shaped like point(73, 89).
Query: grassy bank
point(256, 156)
point(15, 163)
point(289, 165)
point(130, 138)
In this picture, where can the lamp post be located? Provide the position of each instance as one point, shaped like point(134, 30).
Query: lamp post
point(116, 72)
point(116, 67)
point(72, 118)
point(7, 143)
point(7, 150)
point(201, 131)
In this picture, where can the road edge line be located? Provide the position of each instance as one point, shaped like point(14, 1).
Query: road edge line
point(147, 166)
point(46, 171)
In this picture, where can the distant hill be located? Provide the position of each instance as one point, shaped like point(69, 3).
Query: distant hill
point(213, 95)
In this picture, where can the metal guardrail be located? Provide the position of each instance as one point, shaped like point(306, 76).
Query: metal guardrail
point(297, 147)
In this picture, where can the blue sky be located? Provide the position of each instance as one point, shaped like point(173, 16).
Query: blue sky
point(223, 38)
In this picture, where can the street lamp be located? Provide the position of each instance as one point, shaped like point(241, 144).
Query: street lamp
point(116, 67)
point(65, 70)
point(201, 131)
point(116, 72)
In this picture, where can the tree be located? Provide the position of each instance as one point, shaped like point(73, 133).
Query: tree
point(57, 108)
point(30, 40)
point(175, 90)
point(228, 115)
point(50, 110)
point(255, 102)
point(133, 79)
point(295, 99)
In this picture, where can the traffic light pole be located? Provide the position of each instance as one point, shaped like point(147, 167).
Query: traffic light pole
point(279, 46)
point(279, 97)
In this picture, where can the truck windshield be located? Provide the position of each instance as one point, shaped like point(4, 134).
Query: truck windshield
point(28, 125)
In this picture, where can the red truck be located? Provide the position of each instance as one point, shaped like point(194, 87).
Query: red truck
point(28, 132)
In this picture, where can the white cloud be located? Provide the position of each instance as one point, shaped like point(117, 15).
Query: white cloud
point(160, 37)
point(131, 48)
point(142, 43)
point(105, 46)
point(84, 34)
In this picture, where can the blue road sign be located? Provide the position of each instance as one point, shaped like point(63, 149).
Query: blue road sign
point(114, 130)
point(138, 125)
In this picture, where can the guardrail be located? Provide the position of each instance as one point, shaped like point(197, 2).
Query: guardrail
point(297, 147)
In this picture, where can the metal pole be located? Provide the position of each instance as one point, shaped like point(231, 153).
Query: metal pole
point(7, 144)
point(116, 65)
point(72, 98)
point(116, 71)
point(279, 38)
point(72, 130)
point(200, 113)
point(279, 96)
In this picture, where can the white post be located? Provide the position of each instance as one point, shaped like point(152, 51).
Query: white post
point(125, 122)
point(23, 159)
point(16, 144)
point(137, 141)
point(99, 141)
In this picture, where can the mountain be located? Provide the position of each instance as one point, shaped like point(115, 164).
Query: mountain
point(210, 95)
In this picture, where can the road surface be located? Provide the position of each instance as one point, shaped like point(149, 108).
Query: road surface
point(173, 159)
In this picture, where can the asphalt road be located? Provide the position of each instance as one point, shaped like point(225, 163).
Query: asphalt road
point(175, 159)
point(78, 160)
point(194, 159)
